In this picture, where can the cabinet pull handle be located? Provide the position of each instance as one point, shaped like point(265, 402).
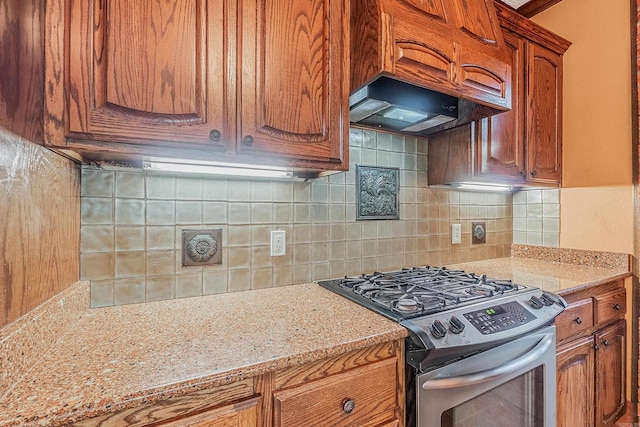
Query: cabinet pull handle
point(534, 173)
point(605, 342)
point(523, 172)
point(617, 307)
point(215, 135)
point(578, 320)
point(247, 140)
point(348, 405)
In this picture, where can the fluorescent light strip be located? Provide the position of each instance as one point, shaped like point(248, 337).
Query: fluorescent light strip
point(212, 168)
point(483, 187)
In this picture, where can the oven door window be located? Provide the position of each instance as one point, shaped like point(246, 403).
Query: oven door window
point(519, 402)
point(511, 385)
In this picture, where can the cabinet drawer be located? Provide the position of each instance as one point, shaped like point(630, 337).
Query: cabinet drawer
point(576, 318)
point(362, 396)
point(610, 305)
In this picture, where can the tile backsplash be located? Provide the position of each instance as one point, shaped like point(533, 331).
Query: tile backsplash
point(132, 223)
point(536, 217)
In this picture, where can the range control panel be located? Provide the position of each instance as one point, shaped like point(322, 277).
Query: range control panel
point(499, 318)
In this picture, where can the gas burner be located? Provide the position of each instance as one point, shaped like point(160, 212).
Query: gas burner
point(418, 291)
point(409, 305)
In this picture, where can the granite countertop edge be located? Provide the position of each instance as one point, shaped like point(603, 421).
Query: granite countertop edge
point(134, 395)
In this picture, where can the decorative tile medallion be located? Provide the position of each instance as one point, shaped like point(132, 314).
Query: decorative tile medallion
point(201, 247)
point(478, 232)
point(377, 193)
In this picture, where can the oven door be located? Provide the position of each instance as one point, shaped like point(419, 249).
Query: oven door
point(513, 384)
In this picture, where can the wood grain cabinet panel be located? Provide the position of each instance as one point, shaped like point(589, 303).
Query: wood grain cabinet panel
point(227, 80)
point(498, 141)
point(576, 318)
point(147, 71)
point(450, 46)
point(294, 81)
point(591, 357)
point(610, 305)
point(241, 414)
point(575, 383)
point(364, 396)
point(544, 115)
point(522, 146)
point(610, 373)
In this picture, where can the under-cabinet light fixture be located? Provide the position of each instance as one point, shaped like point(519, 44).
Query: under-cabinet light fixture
point(216, 168)
point(476, 186)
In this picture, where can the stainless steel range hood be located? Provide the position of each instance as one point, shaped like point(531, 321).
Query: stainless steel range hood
point(394, 105)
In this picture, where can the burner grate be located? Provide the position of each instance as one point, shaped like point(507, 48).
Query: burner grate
point(422, 290)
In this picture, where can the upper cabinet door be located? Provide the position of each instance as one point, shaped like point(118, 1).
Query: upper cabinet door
point(498, 141)
point(483, 70)
point(148, 70)
point(293, 79)
point(544, 115)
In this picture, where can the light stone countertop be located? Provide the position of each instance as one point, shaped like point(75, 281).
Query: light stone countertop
point(111, 357)
point(549, 276)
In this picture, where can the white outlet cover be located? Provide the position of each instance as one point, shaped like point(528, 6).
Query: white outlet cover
point(278, 243)
point(456, 234)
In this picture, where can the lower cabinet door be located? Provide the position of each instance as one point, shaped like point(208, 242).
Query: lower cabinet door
point(363, 396)
point(610, 373)
point(575, 380)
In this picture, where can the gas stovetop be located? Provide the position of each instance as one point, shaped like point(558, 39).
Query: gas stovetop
point(451, 311)
point(420, 291)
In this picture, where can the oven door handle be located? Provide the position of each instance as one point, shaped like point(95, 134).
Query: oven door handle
point(480, 377)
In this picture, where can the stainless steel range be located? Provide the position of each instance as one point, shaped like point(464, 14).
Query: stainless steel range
point(489, 343)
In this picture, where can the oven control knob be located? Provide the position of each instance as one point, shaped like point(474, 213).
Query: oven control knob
point(547, 299)
point(536, 302)
point(437, 329)
point(455, 325)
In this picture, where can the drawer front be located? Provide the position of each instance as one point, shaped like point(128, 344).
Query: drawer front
point(610, 305)
point(576, 318)
point(362, 396)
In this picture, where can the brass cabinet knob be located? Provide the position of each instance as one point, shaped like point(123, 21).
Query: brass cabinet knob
point(578, 320)
point(523, 172)
point(348, 405)
point(534, 173)
point(617, 307)
point(605, 342)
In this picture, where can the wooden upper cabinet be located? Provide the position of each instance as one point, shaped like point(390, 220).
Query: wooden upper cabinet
point(294, 80)
point(544, 110)
point(450, 46)
point(498, 141)
point(243, 81)
point(524, 145)
point(146, 71)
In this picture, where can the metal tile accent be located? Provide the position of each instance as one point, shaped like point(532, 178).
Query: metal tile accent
point(377, 193)
point(201, 247)
point(479, 232)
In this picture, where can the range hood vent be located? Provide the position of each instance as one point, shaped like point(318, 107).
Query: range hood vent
point(420, 67)
point(394, 105)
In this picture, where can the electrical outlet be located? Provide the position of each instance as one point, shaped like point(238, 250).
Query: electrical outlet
point(456, 234)
point(278, 243)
